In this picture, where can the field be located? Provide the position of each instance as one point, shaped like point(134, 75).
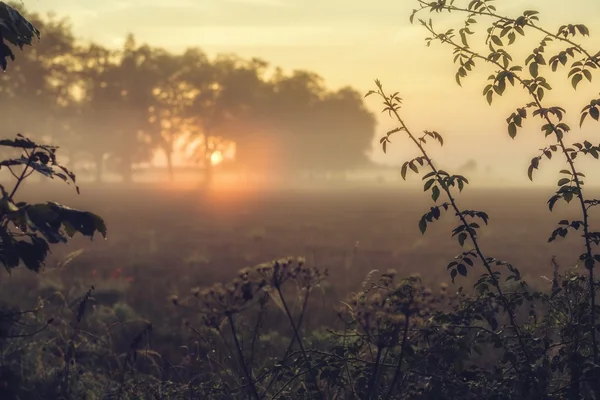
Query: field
point(165, 242)
point(168, 241)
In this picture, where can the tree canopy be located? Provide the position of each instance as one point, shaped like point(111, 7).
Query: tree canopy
point(116, 108)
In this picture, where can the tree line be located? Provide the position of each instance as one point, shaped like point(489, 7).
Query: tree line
point(114, 109)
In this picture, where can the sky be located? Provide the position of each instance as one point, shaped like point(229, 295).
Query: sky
point(353, 42)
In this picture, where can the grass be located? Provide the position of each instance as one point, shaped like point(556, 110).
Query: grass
point(165, 244)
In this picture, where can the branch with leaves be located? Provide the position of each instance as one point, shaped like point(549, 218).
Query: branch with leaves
point(439, 180)
point(26, 230)
point(536, 85)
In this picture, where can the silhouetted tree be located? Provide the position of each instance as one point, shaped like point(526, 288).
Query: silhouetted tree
point(172, 96)
point(37, 85)
point(122, 106)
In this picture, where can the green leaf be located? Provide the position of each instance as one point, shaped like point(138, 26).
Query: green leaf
point(84, 222)
point(9, 254)
point(33, 254)
point(540, 93)
point(568, 196)
point(428, 184)
point(489, 97)
point(462, 269)
point(462, 237)
point(435, 193)
point(563, 181)
point(423, 225)
point(496, 40)
point(512, 130)
point(530, 172)
point(413, 167)
point(576, 79)
point(453, 275)
point(533, 69)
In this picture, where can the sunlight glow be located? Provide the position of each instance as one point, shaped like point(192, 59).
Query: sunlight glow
point(216, 157)
point(187, 152)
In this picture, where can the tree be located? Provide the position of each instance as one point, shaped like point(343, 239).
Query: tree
point(172, 96)
point(214, 104)
point(93, 117)
point(344, 123)
point(116, 92)
point(39, 82)
point(26, 230)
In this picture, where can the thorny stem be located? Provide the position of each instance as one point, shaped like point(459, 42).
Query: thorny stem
point(495, 282)
point(574, 172)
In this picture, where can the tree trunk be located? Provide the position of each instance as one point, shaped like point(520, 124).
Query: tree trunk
point(171, 175)
point(208, 167)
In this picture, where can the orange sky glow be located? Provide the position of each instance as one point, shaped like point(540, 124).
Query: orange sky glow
point(352, 42)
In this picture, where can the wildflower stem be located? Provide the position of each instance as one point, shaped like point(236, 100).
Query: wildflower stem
point(373, 380)
point(250, 383)
point(299, 340)
point(398, 372)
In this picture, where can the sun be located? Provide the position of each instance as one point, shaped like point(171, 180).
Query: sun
point(216, 157)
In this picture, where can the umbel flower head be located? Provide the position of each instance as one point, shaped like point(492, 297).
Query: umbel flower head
point(241, 293)
point(382, 309)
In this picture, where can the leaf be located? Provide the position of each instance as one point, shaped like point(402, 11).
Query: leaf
point(563, 181)
point(42, 218)
point(553, 201)
point(533, 69)
point(512, 130)
point(33, 254)
point(413, 167)
point(423, 225)
point(576, 79)
point(404, 170)
point(15, 29)
point(595, 113)
point(435, 193)
point(84, 222)
point(9, 255)
point(462, 237)
point(428, 184)
point(462, 269)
